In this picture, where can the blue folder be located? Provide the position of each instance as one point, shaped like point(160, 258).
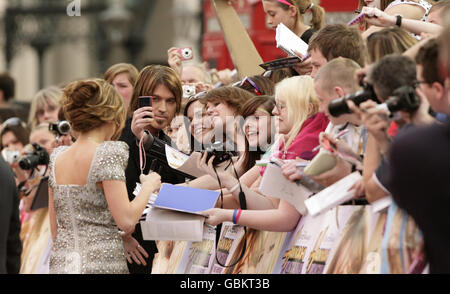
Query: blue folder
point(185, 199)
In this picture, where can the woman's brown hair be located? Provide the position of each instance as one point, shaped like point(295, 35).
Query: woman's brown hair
point(387, 41)
point(18, 128)
point(152, 76)
point(89, 104)
point(267, 104)
point(234, 97)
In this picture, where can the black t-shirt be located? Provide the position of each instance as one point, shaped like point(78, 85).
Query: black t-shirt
point(132, 173)
point(420, 184)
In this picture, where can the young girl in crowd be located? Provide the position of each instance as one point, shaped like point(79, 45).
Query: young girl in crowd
point(222, 106)
point(45, 106)
point(290, 13)
point(122, 77)
point(299, 124)
point(197, 124)
point(85, 225)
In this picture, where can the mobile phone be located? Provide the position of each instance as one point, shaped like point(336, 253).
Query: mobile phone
point(145, 101)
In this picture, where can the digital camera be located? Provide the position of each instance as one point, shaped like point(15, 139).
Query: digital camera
point(186, 53)
point(338, 107)
point(188, 91)
point(404, 98)
point(38, 156)
point(11, 156)
point(60, 128)
point(218, 150)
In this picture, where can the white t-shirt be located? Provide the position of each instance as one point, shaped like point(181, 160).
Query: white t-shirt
point(424, 4)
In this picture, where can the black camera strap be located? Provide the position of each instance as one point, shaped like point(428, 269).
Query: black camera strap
point(243, 205)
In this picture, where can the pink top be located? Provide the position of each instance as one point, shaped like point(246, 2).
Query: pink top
point(306, 140)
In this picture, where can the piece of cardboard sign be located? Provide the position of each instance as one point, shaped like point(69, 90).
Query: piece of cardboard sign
point(242, 50)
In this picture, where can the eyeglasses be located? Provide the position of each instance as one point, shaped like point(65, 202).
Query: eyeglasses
point(280, 106)
point(417, 83)
point(249, 81)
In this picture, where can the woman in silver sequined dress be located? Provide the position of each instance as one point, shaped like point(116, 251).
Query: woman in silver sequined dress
point(88, 199)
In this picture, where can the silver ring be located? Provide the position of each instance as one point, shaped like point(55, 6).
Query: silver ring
point(139, 246)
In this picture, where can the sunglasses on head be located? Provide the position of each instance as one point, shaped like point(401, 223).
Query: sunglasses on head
point(13, 122)
point(249, 81)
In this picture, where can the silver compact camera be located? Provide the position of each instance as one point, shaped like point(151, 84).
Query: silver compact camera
point(188, 91)
point(11, 156)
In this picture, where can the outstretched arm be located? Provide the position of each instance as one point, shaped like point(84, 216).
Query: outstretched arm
point(283, 219)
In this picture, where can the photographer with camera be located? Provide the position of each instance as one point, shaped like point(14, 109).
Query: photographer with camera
point(36, 230)
point(394, 80)
point(14, 136)
point(420, 159)
point(36, 158)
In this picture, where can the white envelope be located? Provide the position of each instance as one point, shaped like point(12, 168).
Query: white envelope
point(162, 224)
point(276, 185)
point(333, 195)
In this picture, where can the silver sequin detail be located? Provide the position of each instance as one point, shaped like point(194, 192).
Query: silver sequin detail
point(87, 238)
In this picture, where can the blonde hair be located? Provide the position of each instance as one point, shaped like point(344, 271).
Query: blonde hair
point(51, 95)
point(351, 249)
point(119, 68)
point(90, 104)
point(301, 102)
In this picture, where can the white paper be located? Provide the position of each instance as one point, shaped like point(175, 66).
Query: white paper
point(381, 204)
point(288, 41)
point(184, 163)
point(333, 195)
point(276, 185)
point(162, 224)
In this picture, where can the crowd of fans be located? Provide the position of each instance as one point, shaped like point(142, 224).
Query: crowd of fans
point(399, 51)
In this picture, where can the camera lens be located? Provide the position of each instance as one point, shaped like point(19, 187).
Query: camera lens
point(64, 127)
point(29, 162)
